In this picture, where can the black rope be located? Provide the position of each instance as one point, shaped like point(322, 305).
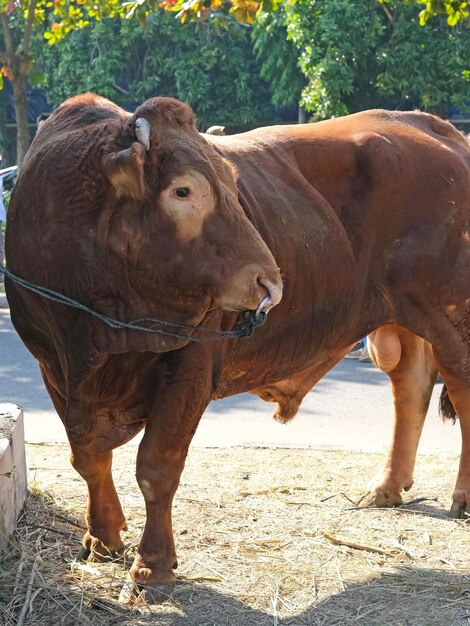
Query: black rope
point(245, 327)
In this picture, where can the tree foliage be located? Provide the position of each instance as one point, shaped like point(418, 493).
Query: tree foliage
point(23, 22)
point(361, 54)
point(214, 70)
point(249, 10)
point(278, 57)
point(455, 10)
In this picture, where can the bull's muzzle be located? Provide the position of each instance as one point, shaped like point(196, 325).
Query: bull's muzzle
point(273, 296)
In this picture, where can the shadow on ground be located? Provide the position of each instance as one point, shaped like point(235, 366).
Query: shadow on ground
point(405, 596)
point(39, 585)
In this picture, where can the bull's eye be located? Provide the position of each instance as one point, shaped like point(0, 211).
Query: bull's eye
point(182, 192)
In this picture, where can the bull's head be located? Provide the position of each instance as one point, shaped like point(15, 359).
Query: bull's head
point(174, 218)
point(139, 217)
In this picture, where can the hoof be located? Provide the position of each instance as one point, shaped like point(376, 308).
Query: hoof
point(98, 553)
point(460, 510)
point(150, 593)
point(83, 554)
point(381, 498)
point(105, 556)
point(386, 491)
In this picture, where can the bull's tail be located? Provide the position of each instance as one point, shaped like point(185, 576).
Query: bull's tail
point(446, 408)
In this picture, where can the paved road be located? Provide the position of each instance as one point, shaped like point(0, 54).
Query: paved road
point(350, 409)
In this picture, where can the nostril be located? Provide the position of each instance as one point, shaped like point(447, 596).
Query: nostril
point(273, 291)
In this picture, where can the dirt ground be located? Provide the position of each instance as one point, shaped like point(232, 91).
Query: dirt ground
point(264, 536)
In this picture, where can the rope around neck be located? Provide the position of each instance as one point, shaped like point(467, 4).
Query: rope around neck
point(245, 327)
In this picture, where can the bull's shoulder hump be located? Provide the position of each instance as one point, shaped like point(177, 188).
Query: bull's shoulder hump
point(78, 125)
point(91, 100)
point(85, 110)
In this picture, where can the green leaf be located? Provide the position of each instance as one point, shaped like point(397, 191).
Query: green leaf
point(269, 5)
point(36, 77)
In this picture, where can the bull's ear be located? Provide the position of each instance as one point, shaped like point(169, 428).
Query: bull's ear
point(125, 171)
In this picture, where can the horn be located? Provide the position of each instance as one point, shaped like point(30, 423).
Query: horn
point(142, 131)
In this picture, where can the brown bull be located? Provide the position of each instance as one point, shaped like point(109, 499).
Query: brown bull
point(139, 216)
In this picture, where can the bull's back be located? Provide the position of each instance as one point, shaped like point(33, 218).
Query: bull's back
point(345, 129)
point(357, 211)
point(384, 170)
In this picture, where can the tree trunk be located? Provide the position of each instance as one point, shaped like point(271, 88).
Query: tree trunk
point(19, 63)
point(301, 115)
point(3, 133)
point(21, 110)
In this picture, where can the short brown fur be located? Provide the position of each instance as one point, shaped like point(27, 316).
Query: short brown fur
point(366, 216)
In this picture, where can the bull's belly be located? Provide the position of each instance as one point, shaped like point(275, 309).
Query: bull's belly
point(259, 373)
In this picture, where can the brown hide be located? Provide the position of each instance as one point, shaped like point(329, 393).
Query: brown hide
point(366, 216)
point(115, 237)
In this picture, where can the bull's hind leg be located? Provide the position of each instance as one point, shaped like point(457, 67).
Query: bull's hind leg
point(408, 360)
point(447, 326)
point(105, 518)
point(458, 389)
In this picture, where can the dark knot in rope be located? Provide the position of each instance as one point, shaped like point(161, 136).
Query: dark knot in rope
point(245, 327)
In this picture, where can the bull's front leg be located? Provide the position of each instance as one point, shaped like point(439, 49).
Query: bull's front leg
point(185, 391)
point(105, 518)
point(91, 457)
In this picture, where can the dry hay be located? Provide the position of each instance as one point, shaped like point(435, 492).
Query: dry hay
point(264, 536)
